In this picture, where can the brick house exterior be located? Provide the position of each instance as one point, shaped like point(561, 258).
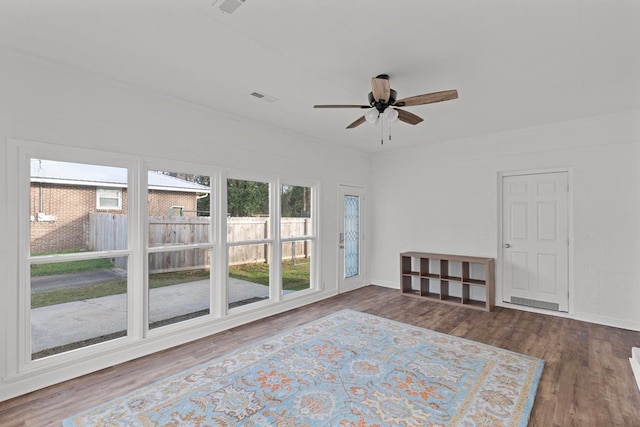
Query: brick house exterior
point(60, 213)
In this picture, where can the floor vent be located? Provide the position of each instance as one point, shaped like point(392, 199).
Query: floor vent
point(535, 303)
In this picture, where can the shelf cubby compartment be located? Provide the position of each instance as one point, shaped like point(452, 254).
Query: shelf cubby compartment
point(407, 266)
point(451, 279)
point(426, 288)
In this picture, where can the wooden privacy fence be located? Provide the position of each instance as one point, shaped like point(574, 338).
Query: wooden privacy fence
point(109, 232)
point(178, 230)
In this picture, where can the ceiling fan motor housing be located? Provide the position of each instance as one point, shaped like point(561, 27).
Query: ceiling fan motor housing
point(382, 104)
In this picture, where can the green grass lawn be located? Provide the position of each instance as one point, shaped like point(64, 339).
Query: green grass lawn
point(52, 268)
point(294, 278)
point(59, 296)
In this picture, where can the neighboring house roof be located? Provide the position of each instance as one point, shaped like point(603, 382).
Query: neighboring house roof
point(54, 172)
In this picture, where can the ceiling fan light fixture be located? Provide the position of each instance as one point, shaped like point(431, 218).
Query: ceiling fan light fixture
point(371, 116)
point(391, 114)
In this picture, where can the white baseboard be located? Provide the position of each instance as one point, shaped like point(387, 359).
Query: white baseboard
point(385, 284)
point(635, 364)
point(581, 316)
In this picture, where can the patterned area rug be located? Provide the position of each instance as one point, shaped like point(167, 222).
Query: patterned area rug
point(347, 369)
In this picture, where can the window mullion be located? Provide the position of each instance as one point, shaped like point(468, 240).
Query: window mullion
point(136, 295)
point(276, 252)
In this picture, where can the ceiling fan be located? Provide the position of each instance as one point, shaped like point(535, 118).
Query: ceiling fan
point(382, 97)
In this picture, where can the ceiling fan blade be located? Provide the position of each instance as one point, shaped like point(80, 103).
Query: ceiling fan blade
point(427, 98)
point(380, 88)
point(408, 117)
point(357, 123)
point(341, 106)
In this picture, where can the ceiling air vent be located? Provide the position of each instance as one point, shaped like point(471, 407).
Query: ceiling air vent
point(264, 97)
point(230, 6)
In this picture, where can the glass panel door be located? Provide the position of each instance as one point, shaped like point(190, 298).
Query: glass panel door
point(351, 232)
point(350, 245)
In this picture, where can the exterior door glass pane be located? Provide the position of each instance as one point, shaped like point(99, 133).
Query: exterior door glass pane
point(351, 236)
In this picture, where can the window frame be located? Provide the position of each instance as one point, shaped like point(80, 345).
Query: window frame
point(311, 236)
point(27, 151)
point(100, 190)
point(269, 180)
point(213, 244)
point(139, 340)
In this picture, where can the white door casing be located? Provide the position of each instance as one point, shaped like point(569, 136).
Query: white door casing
point(350, 237)
point(535, 240)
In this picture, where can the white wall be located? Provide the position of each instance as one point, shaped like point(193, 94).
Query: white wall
point(444, 198)
point(439, 198)
point(43, 102)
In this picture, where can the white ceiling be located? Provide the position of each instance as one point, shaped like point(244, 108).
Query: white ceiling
point(514, 63)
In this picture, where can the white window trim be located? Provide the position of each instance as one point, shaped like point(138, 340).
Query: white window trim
point(25, 151)
point(274, 252)
point(20, 374)
point(312, 235)
point(212, 245)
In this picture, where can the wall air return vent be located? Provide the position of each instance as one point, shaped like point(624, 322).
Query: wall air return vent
point(535, 303)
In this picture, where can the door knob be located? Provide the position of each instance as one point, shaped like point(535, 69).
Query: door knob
point(506, 245)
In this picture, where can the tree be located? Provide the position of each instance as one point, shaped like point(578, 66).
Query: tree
point(204, 203)
point(247, 198)
point(294, 201)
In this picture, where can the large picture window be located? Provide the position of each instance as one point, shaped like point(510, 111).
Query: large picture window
point(78, 257)
point(296, 233)
point(179, 246)
point(128, 249)
point(249, 241)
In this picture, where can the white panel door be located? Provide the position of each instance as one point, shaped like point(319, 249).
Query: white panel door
point(535, 233)
point(350, 238)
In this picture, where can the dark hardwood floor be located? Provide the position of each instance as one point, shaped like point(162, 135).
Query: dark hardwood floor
point(587, 379)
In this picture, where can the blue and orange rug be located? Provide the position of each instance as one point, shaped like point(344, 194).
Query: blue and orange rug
point(347, 369)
